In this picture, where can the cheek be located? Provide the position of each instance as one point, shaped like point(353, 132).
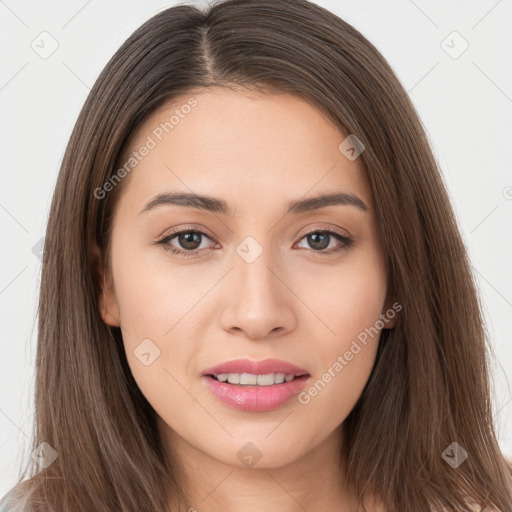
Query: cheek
point(346, 298)
point(349, 305)
point(156, 309)
point(153, 295)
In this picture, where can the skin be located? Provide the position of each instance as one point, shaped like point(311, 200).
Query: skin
point(294, 302)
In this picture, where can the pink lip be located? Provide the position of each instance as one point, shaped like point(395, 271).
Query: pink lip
point(255, 367)
point(255, 398)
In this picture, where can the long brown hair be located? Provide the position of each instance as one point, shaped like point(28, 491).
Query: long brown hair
point(430, 386)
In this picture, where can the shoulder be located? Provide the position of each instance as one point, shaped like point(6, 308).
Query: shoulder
point(10, 503)
point(5, 503)
point(469, 506)
point(472, 507)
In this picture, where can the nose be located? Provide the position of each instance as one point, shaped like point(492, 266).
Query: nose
point(260, 304)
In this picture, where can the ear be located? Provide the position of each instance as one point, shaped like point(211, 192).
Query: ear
point(109, 308)
point(390, 312)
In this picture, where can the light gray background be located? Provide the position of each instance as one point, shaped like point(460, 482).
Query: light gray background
point(465, 104)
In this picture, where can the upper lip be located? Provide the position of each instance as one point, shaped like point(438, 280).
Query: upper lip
point(263, 367)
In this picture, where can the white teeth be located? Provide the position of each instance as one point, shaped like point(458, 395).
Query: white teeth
point(248, 379)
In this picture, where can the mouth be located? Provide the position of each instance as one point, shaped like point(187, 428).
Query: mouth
point(255, 393)
point(255, 386)
point(250, 372)
point(253, 380)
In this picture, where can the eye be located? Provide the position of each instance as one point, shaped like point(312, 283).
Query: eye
point(190, 241)
point(320, 239)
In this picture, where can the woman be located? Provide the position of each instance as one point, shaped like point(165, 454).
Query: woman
point(254, 291)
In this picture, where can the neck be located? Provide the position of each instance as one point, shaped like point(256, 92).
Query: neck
point(314, 481)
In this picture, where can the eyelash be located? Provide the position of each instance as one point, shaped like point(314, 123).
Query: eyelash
point(346, 242)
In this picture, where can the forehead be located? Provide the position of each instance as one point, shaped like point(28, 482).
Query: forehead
point(244, 144)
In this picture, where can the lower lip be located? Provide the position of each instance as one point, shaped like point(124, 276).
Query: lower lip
point(255, 398)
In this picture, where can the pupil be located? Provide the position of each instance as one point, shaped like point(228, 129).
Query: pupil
point(315, 243)
point(187, 240)
point(192, 240)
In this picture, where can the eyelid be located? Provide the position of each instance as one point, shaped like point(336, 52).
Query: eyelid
point(186, 228)
point(345, 238)
point(327, 227)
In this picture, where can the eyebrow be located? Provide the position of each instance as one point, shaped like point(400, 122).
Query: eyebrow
point(215, 205)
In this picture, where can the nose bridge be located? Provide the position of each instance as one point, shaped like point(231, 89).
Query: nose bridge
point(254, 279)
point(259, 302)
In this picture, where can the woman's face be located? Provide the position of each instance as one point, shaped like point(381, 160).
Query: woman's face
point(260, 284)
